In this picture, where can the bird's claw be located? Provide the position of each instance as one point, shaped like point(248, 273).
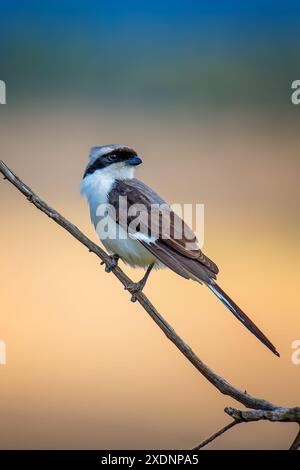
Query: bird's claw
point(134, 288)
point(111, 264)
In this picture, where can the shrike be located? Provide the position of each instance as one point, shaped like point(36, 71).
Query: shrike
point(160, 239)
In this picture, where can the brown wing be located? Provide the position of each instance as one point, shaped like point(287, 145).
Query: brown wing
point(156, 218)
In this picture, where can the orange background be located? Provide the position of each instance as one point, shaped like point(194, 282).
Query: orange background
point(86, 368)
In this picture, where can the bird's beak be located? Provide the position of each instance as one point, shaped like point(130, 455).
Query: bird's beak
point(134, 160)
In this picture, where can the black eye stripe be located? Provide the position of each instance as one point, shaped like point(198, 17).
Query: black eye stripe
point(97, 165)
point(121, 154)
point(118, 155)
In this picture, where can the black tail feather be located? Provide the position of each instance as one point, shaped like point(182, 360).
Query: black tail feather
point(241, 316)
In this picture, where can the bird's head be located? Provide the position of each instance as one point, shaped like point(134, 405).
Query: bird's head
point(114, 159)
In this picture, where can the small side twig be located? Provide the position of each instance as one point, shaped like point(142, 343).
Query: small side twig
point(296, 443)
point(217, 434)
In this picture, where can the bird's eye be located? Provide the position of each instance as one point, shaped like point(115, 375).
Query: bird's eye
point(112, 158)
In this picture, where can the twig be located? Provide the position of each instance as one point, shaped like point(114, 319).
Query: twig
point(296, 443)
point(221, 384)
point(217, 434)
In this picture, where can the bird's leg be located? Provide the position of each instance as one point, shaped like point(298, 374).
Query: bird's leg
point(136, 287)
point(113, 262)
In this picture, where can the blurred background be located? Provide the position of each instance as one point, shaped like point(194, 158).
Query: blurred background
point(202, 91)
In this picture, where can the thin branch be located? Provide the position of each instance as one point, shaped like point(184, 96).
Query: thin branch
point(296, 443)
point(217, 381)
point(217, 434)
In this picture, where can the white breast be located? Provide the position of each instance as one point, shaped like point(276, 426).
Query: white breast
point(115, 239)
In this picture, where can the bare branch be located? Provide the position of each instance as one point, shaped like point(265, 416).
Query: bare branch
point(279, 414)
point(217, 381)
point(296, 443)
point(217, 434)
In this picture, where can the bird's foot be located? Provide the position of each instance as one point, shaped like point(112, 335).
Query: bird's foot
point(134, 288)
point(111, 264)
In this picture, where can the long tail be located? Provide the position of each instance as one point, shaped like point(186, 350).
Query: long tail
point(241, 316)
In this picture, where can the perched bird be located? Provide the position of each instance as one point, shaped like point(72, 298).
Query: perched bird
point(109, 177)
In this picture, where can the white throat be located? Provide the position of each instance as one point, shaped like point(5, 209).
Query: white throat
point(98, 185)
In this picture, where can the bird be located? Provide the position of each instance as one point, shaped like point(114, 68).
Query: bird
point(109, 177)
